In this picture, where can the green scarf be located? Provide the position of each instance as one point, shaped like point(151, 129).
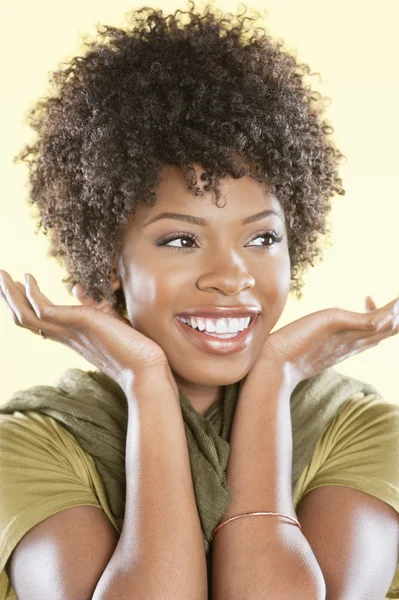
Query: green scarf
point(93, 408)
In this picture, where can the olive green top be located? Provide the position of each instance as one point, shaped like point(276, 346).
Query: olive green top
point(78, 428)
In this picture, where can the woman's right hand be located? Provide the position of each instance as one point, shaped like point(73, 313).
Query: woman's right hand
point(101, 335)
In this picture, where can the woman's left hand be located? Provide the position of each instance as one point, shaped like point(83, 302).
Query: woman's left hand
point(322, 339)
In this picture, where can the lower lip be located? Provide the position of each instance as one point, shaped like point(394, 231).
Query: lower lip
point(215, 345)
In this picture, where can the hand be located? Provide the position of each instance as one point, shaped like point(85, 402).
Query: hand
point(322, 339)
point(99, 334)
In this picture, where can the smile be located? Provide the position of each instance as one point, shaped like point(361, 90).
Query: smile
point(218, 343)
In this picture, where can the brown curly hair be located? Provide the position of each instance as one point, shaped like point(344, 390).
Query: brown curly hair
point(163, 91)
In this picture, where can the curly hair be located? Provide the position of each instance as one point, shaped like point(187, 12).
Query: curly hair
point(163, 91)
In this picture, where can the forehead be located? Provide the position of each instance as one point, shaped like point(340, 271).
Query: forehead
point(239, 197)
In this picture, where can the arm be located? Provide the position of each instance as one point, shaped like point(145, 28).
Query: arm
point(261, 557)
point(349, 513)
point(160, 553)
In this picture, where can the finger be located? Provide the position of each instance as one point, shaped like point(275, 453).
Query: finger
point(8, 307)
point(388, 331)
point(44, 308)
point(37, 299)
point(372, 321)
point(370, 304)
point(107, 307)
point(75, 317)
point(4, 295)
point(23, 305)
point(103, 305)
point(345, 320)
point(13, 297)
point(386, 315)
point(19, 304)
point(22, 289)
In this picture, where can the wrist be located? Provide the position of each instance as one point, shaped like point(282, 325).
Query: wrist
point(270, 374)
point(157, 378)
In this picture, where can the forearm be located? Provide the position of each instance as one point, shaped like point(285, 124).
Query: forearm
point(263, 557)
point(160, 553)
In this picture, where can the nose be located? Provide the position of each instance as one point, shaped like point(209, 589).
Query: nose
point(228, 276)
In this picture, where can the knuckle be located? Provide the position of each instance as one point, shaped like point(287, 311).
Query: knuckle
point(332, 314)
point(373, 324)
point(42, 312)
point(395, 327)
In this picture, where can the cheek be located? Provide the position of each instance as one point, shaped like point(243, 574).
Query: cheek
point(283, 274)
point(275, 287)
point(275, 279)
point(285, 279)
point(148, 299)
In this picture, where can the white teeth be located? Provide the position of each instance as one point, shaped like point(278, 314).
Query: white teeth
point(233, 325)
point(210, 326)
point(222, 326)
point(201, 324)
point(217, 325)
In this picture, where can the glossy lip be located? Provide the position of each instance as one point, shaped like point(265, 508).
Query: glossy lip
point(219, 345)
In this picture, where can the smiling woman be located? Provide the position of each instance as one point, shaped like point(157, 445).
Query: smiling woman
point(215, 93)
point(220, 268)
point(197, 413)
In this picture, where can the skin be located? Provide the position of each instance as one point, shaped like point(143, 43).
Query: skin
point(155, 286)
point(226, 267)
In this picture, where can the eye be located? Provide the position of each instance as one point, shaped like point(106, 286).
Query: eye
point(178, 236)
point(271, 235)
point(191, 237)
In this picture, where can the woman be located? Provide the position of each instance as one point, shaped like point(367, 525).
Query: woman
point(217, 418)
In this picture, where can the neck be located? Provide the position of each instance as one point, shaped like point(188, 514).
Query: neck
point(201, 397)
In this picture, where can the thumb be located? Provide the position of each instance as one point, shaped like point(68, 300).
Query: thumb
point(105, 306)
point(369, 304)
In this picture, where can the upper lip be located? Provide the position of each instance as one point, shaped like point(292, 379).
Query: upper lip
point(220, 312)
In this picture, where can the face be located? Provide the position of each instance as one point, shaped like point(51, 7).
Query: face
point(226, 264)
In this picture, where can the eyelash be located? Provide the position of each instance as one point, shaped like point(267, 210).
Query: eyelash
point(191, 236)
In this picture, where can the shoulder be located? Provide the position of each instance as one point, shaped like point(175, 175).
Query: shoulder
point(353, 479)
point(365, 422)
point(359, 449)
point(30, 437)
point(34, 446)
point(43, 470)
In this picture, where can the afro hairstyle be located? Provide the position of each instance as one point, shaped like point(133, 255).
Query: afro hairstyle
point(174, 90)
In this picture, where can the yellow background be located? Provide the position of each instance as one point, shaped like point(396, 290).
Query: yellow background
point(353, 45)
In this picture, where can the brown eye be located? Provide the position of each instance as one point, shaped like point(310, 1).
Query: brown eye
point(270, 235)
point(191, 237)
point(181, 236)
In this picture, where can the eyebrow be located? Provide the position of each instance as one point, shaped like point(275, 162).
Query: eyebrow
point(203, 222)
